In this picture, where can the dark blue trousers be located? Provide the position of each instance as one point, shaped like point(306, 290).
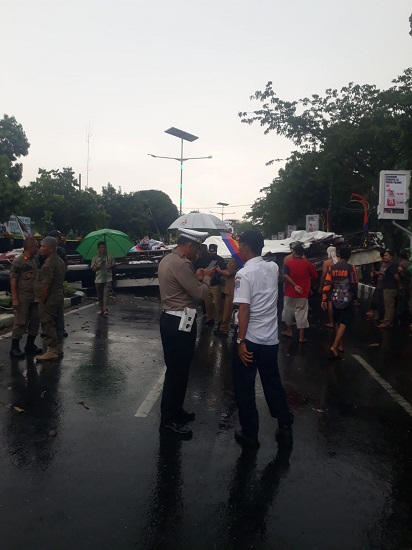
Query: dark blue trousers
point(265, 360)
point(178, 349)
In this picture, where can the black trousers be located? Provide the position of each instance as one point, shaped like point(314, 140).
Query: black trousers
point(178, 349)
point(265, 360)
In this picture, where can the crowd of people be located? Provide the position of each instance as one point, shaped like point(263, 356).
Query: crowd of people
point(392, 299)
point(193, 274)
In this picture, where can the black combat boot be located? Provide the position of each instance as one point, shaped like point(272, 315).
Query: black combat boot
point(31, 347)
point(15, 349)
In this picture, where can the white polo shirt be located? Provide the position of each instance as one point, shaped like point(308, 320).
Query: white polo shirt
point(256, 284)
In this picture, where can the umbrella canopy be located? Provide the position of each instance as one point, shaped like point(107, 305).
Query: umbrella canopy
point(118, 243)
point(198, 220)
point(233, 247)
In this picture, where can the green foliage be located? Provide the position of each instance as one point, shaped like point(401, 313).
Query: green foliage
point(343, 140)
point(140, 212)
point(13, 145)
point(54, 200)
point(68, 289)
point(5, 303)
point(244, 226)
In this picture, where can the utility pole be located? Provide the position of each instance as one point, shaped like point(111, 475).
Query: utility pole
point(88, 136)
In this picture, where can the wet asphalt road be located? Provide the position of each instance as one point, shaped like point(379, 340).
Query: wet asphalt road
point(80, 470)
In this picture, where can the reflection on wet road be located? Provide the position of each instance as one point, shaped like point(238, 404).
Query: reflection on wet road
point(80, 470)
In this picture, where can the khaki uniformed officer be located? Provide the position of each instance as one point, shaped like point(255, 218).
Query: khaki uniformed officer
point(23, 275)
point(49, 289)
point(180, 288)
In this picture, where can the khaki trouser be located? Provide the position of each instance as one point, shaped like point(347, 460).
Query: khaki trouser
point(48, 317)
point(389, 299)
point(227, 313)
point(26, 318)
point(213, 303)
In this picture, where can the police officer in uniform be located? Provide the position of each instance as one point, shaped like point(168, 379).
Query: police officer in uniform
point(49, 289)
point(180, 287)
point(23, 275)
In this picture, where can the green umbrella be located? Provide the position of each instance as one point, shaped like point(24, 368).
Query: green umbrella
point(118, 243)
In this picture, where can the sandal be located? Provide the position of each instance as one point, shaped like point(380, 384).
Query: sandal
point(99, 312)
point(106, 312)
point(286, 335)
point(333, 355)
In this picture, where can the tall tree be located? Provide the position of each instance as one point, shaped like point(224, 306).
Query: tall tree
point(149, 211)
point(13, 145)
point(54, 200)
point(347, 137)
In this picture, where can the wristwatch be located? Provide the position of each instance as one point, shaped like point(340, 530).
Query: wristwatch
point(240, 340)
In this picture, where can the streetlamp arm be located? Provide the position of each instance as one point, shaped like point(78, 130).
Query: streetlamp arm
point(158, 157)
point(179, 159)
point(195, 158)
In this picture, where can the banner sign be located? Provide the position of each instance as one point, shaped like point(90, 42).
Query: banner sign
point(291, 228)
point(12, 226)
point(312, 223)
point(394, 194)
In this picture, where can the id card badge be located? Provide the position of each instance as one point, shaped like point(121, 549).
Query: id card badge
point(236, 317)
point(187, 319)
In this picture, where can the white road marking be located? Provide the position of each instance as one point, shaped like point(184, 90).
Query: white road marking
point(385, 385)
point(151, 399)
point(8, 334)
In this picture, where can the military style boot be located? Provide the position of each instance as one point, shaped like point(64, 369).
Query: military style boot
point(15, 349)
point(50, 355)
point(31, 347)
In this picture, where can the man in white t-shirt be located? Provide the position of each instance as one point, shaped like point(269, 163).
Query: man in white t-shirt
point(257, 344)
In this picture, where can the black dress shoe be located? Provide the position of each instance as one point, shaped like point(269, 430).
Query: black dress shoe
point(246, 441)
point(63, 334)
point(176, 428)
point(284, 436)
point(210, 323)
point(184, 417)
point(17, 353)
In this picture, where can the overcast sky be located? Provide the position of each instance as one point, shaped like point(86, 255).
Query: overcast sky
point(132, 69)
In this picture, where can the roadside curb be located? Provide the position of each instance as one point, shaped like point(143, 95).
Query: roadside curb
point(6, 319)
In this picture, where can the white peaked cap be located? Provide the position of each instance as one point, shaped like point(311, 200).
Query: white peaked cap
point(196, 236)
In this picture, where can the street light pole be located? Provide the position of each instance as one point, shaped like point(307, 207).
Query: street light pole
point(222, 204)
point(187, 137)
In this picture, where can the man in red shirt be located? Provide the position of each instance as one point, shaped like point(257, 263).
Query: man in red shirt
point(298, 274)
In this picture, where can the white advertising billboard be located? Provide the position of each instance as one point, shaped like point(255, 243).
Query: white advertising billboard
point(312, 223)
point(290, 230)
point(394, 194)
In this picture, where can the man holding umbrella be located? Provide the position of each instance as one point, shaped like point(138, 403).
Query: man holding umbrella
point(102, 264)
point(110, 244)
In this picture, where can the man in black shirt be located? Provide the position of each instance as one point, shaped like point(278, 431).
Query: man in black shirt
point(390, 286)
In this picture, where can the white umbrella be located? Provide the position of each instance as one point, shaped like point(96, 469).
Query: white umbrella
point(198, 220)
